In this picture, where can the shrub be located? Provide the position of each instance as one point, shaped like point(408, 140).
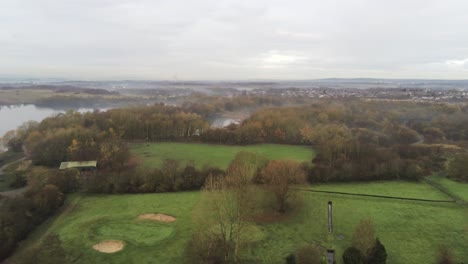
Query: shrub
point(19, 215)
point(309, 255)
point(50, 251)
point(65, 180)
point(204, 249)
point(352, 255)
point(19, 181)
point(364, 236)
point(377, 254)
point(291, 259)
point(48, 200)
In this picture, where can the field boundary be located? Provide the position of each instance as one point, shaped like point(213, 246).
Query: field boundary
point(444, 190)
point(379, 196)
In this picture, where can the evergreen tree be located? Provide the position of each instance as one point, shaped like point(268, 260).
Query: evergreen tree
point(377, 254)
point(352, 255)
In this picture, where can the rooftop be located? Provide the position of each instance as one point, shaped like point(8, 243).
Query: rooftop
point(78, 164)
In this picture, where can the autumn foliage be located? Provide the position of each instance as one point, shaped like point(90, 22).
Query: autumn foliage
point(279, 177)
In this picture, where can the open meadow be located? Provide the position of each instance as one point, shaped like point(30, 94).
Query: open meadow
point(153, 154)
point(411, 231)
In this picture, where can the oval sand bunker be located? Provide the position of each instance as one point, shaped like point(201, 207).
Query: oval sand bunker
point(109, 246)
point(157, 217)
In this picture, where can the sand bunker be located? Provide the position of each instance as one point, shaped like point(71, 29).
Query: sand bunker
point(109, 246)
point(157, 217)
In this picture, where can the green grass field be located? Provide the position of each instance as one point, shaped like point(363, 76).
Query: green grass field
point(411, 231)
point(88, 219)
point(153, 154)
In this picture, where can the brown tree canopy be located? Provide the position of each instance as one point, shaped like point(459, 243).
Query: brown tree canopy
point(279, 176)
point(364, 236)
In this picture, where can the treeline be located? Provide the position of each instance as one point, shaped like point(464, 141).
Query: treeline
point(172, 176)
point(65, 102)
point(211, 106)
point(270, 125)
point(389, 123)
point(60, 139)
point(359, 140)
point(156, 122)
point(19, 215)
point(356, 140)
point(102, 136)
point(62, 89)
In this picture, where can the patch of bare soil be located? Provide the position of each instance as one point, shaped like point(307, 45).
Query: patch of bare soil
point(109, 246)
point(157, 217)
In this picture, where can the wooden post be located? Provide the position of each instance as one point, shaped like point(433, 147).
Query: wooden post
point(330, 222)
point(331, 256)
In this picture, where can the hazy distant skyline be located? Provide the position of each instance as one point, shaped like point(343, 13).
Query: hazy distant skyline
point(221, 39)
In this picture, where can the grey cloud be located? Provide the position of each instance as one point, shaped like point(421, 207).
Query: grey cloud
point(227, 39)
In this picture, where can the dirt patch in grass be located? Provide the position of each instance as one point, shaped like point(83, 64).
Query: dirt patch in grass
point(158, 217)
point(109, 246)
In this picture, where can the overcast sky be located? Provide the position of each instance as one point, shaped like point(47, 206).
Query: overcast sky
point(238, 39)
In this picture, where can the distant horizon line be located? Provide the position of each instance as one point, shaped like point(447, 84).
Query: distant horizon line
point(10, 79)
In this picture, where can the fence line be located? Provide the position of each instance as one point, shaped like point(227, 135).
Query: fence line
point(378, 196)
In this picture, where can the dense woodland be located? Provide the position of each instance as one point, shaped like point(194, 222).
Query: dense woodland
point(356, 141)
point(360, 140)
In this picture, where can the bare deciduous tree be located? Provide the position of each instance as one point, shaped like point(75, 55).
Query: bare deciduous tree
point(229, 203)
point(279, 176)
point(364, 236)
